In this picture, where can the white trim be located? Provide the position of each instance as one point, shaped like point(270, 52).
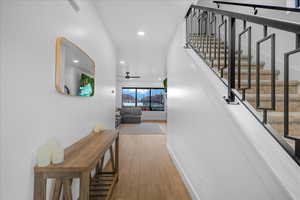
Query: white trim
point(187, 182)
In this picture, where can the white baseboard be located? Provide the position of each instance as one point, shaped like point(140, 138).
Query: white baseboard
point(188, 184)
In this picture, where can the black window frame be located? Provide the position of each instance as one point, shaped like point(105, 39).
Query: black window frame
point(136, 100)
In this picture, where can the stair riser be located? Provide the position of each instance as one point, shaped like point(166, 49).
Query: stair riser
point(203, 38)
point(222, 52)
point(253, 76)
point(294, 129)
point(211, 38)
point(243, 58)
point(267, 89)
point(212, 43)
point(293, 106)
point(243, 66)
point(212, 47)
point(205, 41)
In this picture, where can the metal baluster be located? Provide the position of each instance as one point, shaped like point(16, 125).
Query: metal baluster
point(273, 76)
point(207, 34)
point(202, 38)
point(246, 30)
point(191, 35)
point(297, 41)
point(224, 23)
point(199, 31)
point(286, 96)
point(215, 52)
point(210, 39)
point(231, 59)
point(225, 48)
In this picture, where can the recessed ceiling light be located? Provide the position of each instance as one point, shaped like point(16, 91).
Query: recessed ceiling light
point(122, 62)
point(141, 33)
point(75, 61)
point(159, 79)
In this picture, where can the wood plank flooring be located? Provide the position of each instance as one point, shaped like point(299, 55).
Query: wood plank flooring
point(146, 170)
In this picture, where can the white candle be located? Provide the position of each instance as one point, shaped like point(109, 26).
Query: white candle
point(58, 155)
point(99, 128)
point(43, 156)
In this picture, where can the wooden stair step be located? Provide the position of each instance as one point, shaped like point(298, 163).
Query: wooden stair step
point(265, 74)
point(276, 120)
point(212, 42)
point(244, 65)
point(279, 83)
point(222, 57)
point(203, 38)
point(265, 86)
point(243, 62)
point(201, 45)
point(222, 51)
point(265, 101)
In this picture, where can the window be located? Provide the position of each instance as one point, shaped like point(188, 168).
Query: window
point(297, 3)
point(129, 97)
point(149, 99)
point(143, 98)
point(157, 99)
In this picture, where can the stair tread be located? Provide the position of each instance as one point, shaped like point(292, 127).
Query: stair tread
point(277, 117)
point(253, 71)
point(268, 82)
point(279, 97)
point(243, 63)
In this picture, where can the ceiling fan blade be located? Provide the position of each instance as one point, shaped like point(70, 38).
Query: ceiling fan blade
point(135, 77)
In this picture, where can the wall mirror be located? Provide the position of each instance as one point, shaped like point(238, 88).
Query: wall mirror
point(75, 70)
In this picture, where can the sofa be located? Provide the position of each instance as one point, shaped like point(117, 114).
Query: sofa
point(131, 115)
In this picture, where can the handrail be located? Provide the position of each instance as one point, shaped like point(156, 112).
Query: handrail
point(201, 42)
point(258, 6)
point(288, 26)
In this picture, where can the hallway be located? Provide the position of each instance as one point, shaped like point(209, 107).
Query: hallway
point(146, 170)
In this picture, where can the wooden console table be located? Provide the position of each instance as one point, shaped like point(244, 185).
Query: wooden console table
point(81, 159)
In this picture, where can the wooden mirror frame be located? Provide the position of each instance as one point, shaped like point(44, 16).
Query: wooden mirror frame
point(58, 75)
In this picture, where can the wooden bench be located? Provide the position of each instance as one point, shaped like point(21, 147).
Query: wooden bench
point(81, 159)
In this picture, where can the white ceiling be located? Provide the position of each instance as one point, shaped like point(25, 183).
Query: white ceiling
point(144, 56)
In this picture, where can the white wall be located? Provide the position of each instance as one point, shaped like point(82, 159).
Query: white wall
point(220, 149)
point(285, 41)
point(148, 115)
point(32, 110)
point(1, 95)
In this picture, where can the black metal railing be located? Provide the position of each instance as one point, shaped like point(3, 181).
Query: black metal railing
point(255, 6)
point(212, 33)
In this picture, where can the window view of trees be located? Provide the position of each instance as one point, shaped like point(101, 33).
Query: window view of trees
point(157, 99)
point(150, 99)
point(129, 97)
point(143, 99)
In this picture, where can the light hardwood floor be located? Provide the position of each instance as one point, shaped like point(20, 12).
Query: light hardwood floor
point(146, 170)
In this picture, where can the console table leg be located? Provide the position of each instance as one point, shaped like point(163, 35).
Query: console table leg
point(117, 157)
point(67, 184)
point(40, 187)
point(57, 189)
point(112, 159)
point(85, 186)
point(101, 164)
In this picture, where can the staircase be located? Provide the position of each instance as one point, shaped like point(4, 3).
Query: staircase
point(275, 118)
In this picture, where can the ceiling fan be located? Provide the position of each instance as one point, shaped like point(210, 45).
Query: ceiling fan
point(127, 76)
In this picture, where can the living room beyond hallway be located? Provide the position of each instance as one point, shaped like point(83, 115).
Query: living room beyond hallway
point(147, 170)
point(144, 128)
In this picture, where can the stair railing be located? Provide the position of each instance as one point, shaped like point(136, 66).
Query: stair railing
point(208, 19)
